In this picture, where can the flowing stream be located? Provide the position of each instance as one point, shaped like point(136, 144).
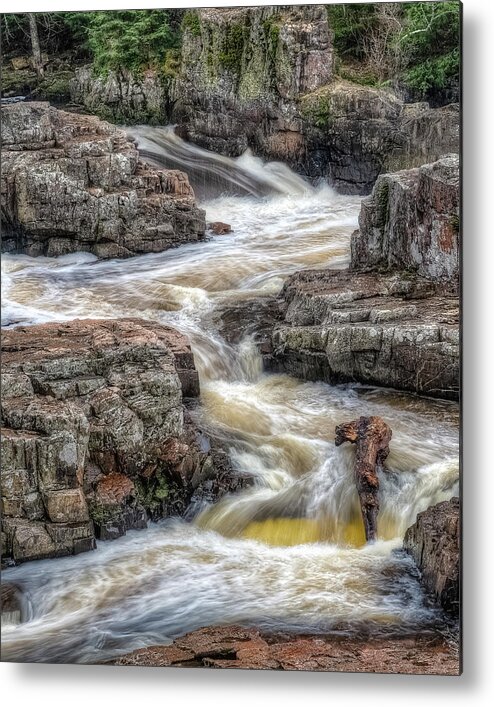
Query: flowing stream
point(287, 554)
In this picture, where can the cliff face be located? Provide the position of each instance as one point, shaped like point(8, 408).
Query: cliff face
point(243, 71)
point(74, 183)
point(264, 78)
point(95, 436)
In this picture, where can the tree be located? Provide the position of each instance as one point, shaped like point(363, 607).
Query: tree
point(430, 46)
point(37, 59)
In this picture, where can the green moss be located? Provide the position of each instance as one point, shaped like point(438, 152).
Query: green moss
point(230, 56)
point(18, 82)
point(55, 87)
point(152, 492)
point(271, 27)
point(454, 222)
point(102, 514)
point(191, 23)
point(171, 66)
point(382, 197)
point(316, 108)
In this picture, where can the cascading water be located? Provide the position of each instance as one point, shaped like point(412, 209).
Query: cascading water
point(231, 563)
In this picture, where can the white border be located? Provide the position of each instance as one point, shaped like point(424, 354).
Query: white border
point(80, 686)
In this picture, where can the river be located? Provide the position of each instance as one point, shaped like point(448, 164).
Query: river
point(287, 554)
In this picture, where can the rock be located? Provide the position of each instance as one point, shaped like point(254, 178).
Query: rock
point(248, 648)
point(13, 609)
point(264, 78)
point(121, 96)
point(392, 319)
point(20, 62)
point(411, 221)
point(434, 543)
point(219, 228)
point(395, 330)
point(74, 183)
point(94, 439)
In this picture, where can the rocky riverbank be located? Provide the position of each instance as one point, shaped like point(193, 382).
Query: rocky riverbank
point(392, 319)
point(249, 649)
point(75, 183)
point(96, 438)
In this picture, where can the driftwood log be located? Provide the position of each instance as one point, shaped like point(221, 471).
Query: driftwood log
point(372, 436)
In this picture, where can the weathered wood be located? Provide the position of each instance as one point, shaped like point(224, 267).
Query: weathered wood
point(372, 436)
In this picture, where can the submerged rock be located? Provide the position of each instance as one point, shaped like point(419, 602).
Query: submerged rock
point(434, 543)
point(95, 436)
point(74, 183)
point(248, 648)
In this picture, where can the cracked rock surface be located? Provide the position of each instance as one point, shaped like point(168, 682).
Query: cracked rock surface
point(75, 183)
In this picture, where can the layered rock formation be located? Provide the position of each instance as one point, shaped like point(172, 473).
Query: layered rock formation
point(392, 319)
point(434, 543)
point(247, 648)
point(94, 439)
point(74, 183)
point(263, 77)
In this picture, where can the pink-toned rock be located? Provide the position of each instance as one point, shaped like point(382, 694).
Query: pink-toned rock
point(434, 543)
point(219, 228)
point(249, 649)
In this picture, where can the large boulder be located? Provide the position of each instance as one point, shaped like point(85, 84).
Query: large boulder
point(95, 436)
point(392, 319)
point(75, 183)
point(411, 222)
point(434, 543)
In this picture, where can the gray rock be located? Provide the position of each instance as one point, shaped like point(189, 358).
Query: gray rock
point(120, 96)
point(395, 330)
point(411, 221)
point(434, 543)
point(74, 183)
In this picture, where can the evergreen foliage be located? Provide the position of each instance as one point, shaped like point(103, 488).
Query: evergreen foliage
point(430, 42)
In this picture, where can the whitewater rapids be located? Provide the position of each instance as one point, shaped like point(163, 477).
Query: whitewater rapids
point(288, 553)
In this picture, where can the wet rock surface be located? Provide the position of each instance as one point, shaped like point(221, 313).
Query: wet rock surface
point(392, 318)
point(248, 648)
point(95, 436)
point(393, 330)
point(74, 183)
point(434, 543)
